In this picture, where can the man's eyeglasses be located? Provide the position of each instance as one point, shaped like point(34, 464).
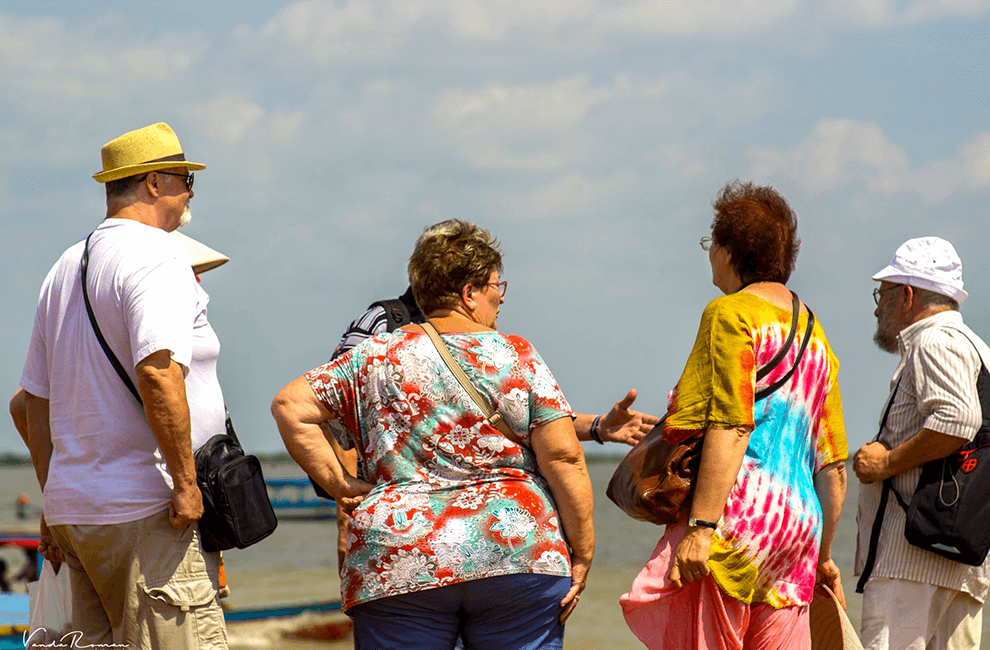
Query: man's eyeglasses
point(706, 243)
point(188, 178)
point(879, 292)
point(502, 286)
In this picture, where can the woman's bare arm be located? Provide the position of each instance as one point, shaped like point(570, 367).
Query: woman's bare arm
point(561, 462)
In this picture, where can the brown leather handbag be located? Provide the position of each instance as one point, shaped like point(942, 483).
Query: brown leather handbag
point(654, 481)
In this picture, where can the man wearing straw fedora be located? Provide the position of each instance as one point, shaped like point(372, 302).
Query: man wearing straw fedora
point(914, 598)
point(121, 500)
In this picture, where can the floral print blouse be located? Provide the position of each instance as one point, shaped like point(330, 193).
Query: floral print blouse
point(454, 499)
point(766, 546)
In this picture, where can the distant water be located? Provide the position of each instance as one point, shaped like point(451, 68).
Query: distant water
point(298, 563)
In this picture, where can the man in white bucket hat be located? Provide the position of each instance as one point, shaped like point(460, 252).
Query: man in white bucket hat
point(121, 500)
point(915, 598)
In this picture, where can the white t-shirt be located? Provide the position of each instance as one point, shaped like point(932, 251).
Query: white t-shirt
point(106, 466)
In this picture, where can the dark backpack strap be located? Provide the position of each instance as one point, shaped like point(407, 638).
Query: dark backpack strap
point(888, 487)
point(871, 555)
point(396, 313)
point(114, 361)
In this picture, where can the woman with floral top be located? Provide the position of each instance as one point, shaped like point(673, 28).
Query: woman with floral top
point(460, 531)
point(740, 573)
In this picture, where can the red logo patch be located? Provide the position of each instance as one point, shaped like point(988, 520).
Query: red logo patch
point(969, 465)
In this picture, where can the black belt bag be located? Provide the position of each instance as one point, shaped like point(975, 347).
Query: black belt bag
point(236, 509)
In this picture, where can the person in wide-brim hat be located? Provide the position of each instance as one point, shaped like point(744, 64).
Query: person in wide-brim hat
point(144, 150)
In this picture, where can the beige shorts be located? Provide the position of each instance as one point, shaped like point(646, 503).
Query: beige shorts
point(143, 584)
point(909, 615)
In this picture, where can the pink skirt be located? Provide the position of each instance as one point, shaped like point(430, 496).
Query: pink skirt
point(700, 616)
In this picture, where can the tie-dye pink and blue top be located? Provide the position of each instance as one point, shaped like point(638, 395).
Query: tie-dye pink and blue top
point(766, 546)
point(454, 499)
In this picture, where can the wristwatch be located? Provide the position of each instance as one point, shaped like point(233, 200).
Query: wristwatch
point(701, 523)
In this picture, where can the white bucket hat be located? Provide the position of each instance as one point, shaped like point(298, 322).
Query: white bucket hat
point(927, 263)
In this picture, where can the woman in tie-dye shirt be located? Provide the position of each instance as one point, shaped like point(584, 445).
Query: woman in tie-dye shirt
point(741, 571)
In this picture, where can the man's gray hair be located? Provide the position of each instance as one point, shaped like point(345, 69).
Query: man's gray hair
point(930, 298)
point(124, 190)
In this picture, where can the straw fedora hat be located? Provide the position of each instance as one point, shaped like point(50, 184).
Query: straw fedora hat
point(831, 629)
point(136, 152)
point(202, 258)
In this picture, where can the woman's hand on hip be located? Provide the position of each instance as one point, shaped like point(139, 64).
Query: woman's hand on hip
point(691, 557)
point(351, 493)
point(579, 579)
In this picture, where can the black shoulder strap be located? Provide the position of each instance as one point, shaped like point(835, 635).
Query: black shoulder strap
point(114, 361)
point(787, 345)
point(795, 311)
point(396, 312)
point(888, 486)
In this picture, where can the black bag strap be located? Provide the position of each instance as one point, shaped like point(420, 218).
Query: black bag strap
point(114, 361)
point(888, 487)
point(777, 358)
point(780, 355)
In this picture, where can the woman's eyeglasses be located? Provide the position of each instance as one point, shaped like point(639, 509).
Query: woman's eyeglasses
point(706, 243)
point(502, 286)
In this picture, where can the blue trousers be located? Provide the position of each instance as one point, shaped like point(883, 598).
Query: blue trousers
point(517, 611)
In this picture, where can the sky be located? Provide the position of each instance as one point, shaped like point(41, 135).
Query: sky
point(589, 136)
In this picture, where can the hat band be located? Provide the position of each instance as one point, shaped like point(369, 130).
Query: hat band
point(179, 157)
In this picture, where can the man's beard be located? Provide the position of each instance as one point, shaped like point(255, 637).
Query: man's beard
point(186, 216)
point(885, 337)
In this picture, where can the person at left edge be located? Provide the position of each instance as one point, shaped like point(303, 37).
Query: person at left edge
point(121, 500)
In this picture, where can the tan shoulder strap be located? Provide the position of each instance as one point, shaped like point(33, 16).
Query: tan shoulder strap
point(494, 417)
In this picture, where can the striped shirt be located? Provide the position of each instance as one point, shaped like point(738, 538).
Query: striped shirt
point(936, 391)
point(363, 327)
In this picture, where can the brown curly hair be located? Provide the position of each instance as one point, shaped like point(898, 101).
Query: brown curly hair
point(449, 256)
point(758, 229)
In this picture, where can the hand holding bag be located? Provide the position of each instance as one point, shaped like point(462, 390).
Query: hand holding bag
point(49, 606)
point(654, 481)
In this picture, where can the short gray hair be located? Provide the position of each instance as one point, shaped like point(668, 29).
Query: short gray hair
point(931, 298)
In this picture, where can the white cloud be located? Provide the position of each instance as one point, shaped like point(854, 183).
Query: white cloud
point(889, 13)
point(228, 119)
point(531, 127)
point(967, 171)
point(329, 32)
point(46, 58)
point(571, 195)
point(838, 152)
point(841, 153)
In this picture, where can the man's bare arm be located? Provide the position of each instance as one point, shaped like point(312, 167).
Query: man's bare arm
point(162, 387)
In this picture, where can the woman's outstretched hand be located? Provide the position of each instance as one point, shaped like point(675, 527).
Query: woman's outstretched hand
point(691, 557)
point(623, 425)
